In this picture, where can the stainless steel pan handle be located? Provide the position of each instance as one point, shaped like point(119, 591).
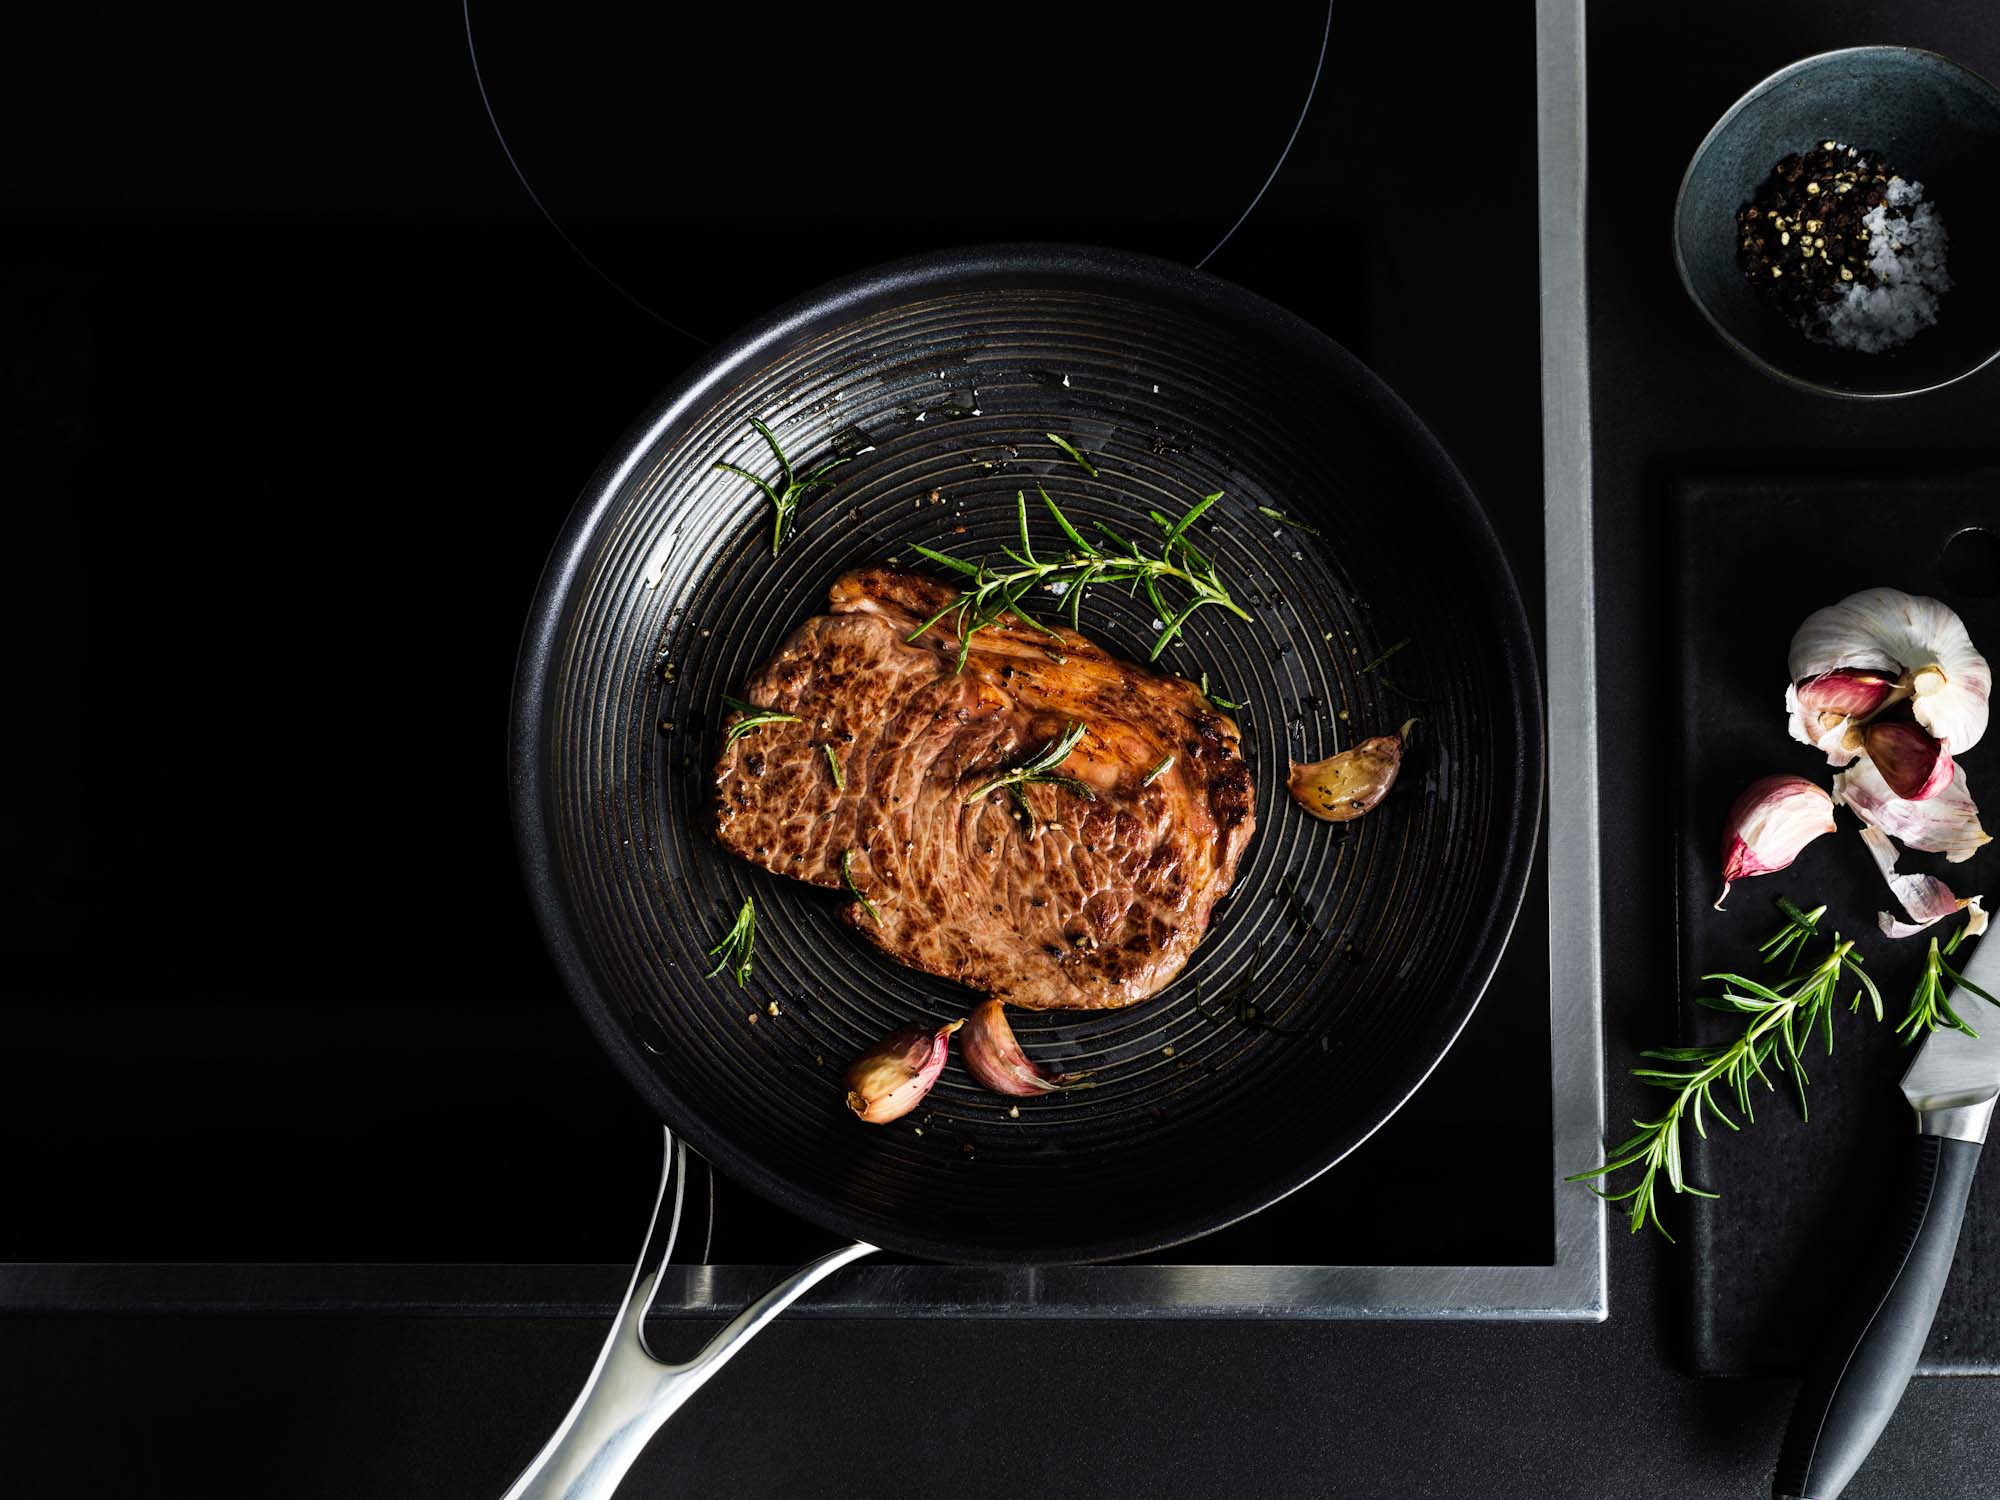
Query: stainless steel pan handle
point(630, 1394)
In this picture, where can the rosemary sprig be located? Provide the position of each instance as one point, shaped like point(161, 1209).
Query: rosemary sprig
point(1383, 677)
point(992, 595)
point(1781, 1020)
point(1237, 1007)
point(1075, 453)
point(1216, 698)
point(1930, 1006)
point(1800, 928)
point(1387, 654)
point(1041, 767)
point(1166, 764)
point(1297, 908)
point(753, 718)
point(847, 877)
point(785, 501)
point(833, 765)
point(733, 952)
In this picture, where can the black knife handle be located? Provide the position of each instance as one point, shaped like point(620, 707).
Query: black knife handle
point(1850, 1394)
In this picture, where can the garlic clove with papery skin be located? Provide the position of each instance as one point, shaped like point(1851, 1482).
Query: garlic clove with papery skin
point(1768, 824)
point(1825, 708)
point(1919, 641)
point(1946, 822)
point(891, 1078)
point(1915, 765)
point(995, 1059)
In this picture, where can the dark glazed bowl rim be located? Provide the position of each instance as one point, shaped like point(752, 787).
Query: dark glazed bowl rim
point(1750, 96)
point(1521, 777)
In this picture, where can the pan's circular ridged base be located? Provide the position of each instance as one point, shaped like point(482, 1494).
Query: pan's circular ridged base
point(1363, 946)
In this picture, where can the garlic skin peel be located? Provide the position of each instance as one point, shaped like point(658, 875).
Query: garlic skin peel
point(1925, 899)
point(1769, 823)
point(1946, 823)
point(1919, 641)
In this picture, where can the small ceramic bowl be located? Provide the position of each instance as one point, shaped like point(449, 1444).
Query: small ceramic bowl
point(1935, 122)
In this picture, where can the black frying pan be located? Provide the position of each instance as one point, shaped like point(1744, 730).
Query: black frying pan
point(1347, 958)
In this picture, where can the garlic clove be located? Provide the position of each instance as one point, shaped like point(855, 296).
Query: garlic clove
point(995, 1059)
point(1850, 691)
point(1824, 709)
point(891, 1078)
point(1915, 765)
point(1925, 899)
point(1947, 822)
point(1769, 823)
point(1953, 708)
point(1343, 787)
point(1920, 641)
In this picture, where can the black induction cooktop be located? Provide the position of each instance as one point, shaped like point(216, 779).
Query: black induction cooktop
point(273, 993)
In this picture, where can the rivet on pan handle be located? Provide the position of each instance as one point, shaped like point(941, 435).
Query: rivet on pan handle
point(630, 1394)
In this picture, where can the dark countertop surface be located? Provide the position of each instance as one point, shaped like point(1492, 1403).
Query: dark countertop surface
point(216, 203)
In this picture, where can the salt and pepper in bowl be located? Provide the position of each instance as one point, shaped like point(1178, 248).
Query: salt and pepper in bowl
point(1840, 225)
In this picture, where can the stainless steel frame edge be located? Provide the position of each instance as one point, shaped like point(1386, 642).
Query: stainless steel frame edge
point(1576, 1000)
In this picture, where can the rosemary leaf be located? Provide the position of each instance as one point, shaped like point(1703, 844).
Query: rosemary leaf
point(733, 952)
point(993, 594)
point(847, 877)
point(1040, 768)
point(784, 500)
point(753, 718)
point(1285, 520)
point(1075, 453)
point(1216, 698)
point(1930, 1005)
point(1387, 654)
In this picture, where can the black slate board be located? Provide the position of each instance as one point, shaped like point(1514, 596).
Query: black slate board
point(1803, 1203)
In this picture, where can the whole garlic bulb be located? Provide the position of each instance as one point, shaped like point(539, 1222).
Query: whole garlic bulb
point(1921, 642)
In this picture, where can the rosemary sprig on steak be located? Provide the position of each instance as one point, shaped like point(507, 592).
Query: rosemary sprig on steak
point(733, 952)
point(1041, 768)
point(753, 718)
point(847, 879)
point(785, 501)
point(992, 595)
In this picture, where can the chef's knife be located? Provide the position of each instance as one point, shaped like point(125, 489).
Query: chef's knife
point(1848, 1397)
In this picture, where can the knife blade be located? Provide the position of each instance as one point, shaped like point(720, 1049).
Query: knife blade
point(1849, 1396)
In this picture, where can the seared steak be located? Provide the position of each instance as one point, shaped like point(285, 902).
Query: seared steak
point(1099, 906)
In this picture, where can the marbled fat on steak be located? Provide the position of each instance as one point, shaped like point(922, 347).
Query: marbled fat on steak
point(1101, 908)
